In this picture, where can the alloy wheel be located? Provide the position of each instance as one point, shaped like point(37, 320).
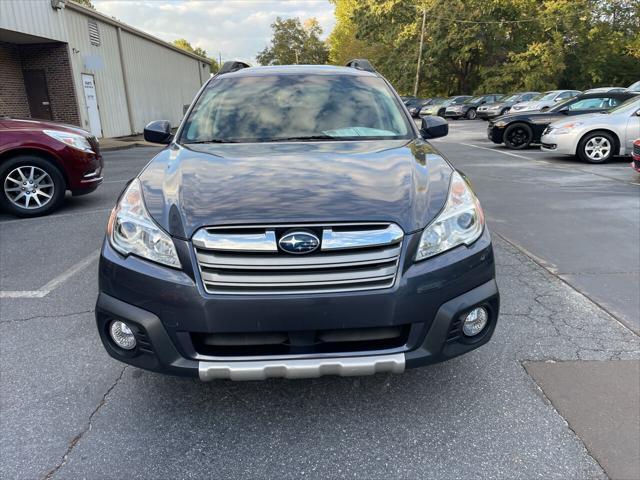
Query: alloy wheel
point(29, 187)
point(597, 148)
point(518, 137)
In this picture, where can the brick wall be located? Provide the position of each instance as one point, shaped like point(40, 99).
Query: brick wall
point(13, 96)
point(53, 58)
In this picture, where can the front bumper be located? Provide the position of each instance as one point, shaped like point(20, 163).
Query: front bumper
point(494, 133)
point(167, 307)
point(488, 114)
point(454, 113)
point(559, 144)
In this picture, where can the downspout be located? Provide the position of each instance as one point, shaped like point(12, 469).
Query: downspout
point(123, 67)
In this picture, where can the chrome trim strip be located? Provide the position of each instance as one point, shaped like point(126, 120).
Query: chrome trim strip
point(266, 262)
point(301, 368)
point(237, 242)
point(92, 180)
point(332, 240)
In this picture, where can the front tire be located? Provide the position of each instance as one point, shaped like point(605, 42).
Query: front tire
point(30, 186)
point(596, 147)
point(471, 114)
point(518, 136)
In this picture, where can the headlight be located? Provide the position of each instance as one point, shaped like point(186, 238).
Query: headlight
point(500, 124)
point(132, 231)
point(72, 139)
point(460, 223)
point(565, 128)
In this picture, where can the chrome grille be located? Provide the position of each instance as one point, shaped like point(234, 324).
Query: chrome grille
point(246, 260)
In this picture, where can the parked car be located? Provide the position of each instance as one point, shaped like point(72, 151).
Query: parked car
point(634, 87)
point(469, 108)
point(503, 105)
point(414, 105)
point(597, 137)
point(545, 101)
point(406, 98)
point(605, 90)
point(519, 130)
point(343, 244)
point(40, 160)
point(635, 155)
point(439, 108)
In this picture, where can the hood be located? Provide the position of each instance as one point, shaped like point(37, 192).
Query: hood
point(26, 124)
point(534, 117)
point(585, 118)
point(269, 183)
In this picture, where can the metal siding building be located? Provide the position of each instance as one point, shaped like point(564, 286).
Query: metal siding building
point(75, 65)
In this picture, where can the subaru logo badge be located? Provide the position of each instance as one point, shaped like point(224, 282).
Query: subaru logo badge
point(299, 242)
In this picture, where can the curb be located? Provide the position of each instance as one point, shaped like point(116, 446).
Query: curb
point(123, 147)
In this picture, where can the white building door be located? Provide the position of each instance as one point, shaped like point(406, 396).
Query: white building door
point(91, 100)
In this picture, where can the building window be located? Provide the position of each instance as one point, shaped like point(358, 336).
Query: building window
point(94, 33)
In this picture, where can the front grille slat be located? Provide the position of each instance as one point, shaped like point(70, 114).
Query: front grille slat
point(212, 259)
point(349, 269)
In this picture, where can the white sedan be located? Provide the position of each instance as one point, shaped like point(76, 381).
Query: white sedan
point(544, 101)
point(597, 137)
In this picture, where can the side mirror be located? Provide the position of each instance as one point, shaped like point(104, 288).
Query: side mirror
point(638, 113)
point(565, 110)
point(158, 132)
point(558, 99)
point(433, 127)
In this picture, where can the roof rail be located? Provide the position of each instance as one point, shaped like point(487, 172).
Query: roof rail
point(232, 66)
point(361, 64)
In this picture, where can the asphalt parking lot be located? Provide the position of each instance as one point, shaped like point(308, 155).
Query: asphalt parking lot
point(567, 241)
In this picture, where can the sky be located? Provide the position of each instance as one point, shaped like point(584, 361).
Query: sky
point(238, 29)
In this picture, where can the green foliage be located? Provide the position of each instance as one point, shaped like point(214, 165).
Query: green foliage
point(474, 46)
point(295, 43)
point(201, 52)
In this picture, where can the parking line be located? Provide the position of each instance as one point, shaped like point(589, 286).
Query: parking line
point(551, 163)
point(53, 284)
point(500, 151)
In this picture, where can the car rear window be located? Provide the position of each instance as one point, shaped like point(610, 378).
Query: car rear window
point(296, 107)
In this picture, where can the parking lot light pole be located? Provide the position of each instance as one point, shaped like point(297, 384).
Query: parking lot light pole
point(415, 87)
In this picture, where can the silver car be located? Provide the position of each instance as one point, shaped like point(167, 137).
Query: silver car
point(597, 137)
point(544, 101)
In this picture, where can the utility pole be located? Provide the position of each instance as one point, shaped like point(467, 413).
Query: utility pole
point(424, 18)
point(219, 59)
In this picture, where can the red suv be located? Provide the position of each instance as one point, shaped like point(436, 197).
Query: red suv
point(635, 155)
point(40, 160)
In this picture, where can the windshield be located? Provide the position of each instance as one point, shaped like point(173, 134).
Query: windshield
point(630, 105)
point(510, 98)
point(474, 100)
point(269, 108)
point(545, 96)
point(635, 87)
point(455, 101)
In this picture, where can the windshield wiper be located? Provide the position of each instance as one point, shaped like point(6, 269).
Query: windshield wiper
point(211, 140)
point(300, 138)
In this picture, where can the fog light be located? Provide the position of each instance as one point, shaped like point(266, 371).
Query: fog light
point(122, 335)
point(475, 321)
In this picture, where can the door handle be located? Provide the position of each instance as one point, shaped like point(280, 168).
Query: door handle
point(45, 103)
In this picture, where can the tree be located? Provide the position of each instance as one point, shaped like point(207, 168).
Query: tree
point(201, 52)
point(476, 46)
point(295, 43)
point(343, 44)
